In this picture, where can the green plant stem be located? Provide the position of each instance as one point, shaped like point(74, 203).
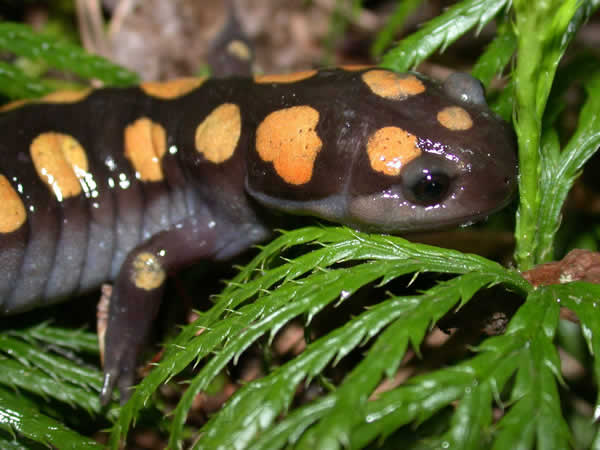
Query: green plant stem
point(540, 28)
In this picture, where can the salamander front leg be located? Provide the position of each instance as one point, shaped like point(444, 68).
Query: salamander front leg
point(137, 294)
point(138, 290)
point(134, 303)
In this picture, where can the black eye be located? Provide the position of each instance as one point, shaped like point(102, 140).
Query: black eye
point(429, 188)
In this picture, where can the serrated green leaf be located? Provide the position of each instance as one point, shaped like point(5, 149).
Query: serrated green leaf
point(385, 356)
point(580, 148)
point(257, 404)
point(13, 443)
point(15, 84)
point(544, 30)
point(442, 31)
point(56, 367)
point(535, 394)
point(584, 300)
point(393, 25)
point(21, 40)
point(526, 348)
point(338, 244)
point(76, 340)
point(274, 394)
point(31, 423)
point(15, 375)
point(496, 57)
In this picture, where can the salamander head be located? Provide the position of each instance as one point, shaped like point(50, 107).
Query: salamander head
point(397, 153)
point(449, 161)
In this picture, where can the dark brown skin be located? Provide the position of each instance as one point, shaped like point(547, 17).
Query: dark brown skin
point(369, 148)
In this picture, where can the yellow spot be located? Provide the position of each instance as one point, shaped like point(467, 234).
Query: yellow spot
point(13, 105)
point(60, 162)
point(455, 118)
point(171, 89)
point(148, 273)
point(390, 149)
point(217, 136)
point(66, 96)
point(145, 145)
point(54, 97)
point(239, 49)
point(12, 210)
point(285, 77)
point(288, 139)
point(356, 67)
point(390, 85)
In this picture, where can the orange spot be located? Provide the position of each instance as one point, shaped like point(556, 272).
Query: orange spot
point(288, 139)
point(148, 273)
point(218, 134)
point(60, 162)
point(168, 90)
point(356, 67)
point(12, 210)
point(390, 149)
point(145, 145)
point(239, 49)
point(455, 118)
point(390, 85)
point(54, 97)
point(66, 96)
point(13, 105)
point(285, 77)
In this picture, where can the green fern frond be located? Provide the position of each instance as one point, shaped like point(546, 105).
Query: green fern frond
point(25, 418)
point(566, 166)
point(15, 84)
point(393, 25)
point(439, 33)
point(392, 258)
point(543, 36)
point(497, 56)
point(21, 40)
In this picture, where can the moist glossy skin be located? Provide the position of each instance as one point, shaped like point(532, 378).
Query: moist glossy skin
point(128, 185)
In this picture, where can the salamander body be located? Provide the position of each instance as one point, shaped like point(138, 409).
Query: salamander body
point(129, 184)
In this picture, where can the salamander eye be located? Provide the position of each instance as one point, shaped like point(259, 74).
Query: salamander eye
point(427, 181)
point(430, 189)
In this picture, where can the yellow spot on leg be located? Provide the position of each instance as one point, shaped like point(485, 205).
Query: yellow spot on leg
point(390, 149)
point(60, 162)
point(218, 134)
point(391, 85)
point(455, 118)
point(285, 77)
point(145, 145)
point(288, 139)
point(239, 49)
point(171, 89)
point(148, 273)
point(12, 210)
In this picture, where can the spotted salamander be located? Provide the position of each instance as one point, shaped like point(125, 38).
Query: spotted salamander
point(128, 185)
